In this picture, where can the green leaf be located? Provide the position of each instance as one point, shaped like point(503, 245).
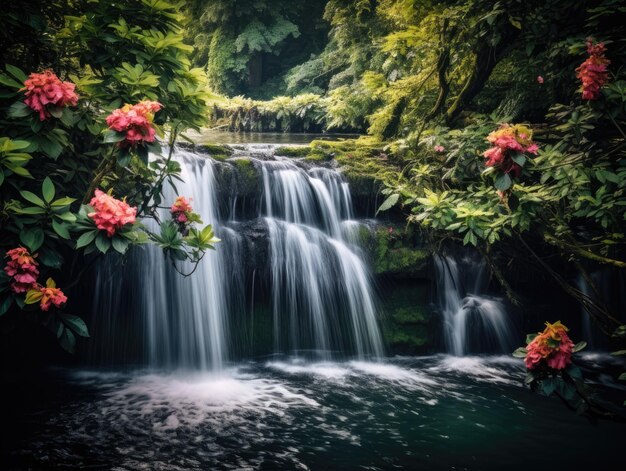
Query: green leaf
point(111, 137)
point(579, 346)
point(530, 338)
point(548, 385)
point(103, 243)
point(68, 341)
point(389, 203)
point(503, 182)
point(120, 244)
point(33, 198)
point(61, 230)
point(76, 324)
point(5, 304)
point(519, 158)
point(19, 109)
point(16, 72)
point(31, 210)
point(63, 201)
point(9, 82)
point(51, 258)
point(86, 238)
point(520, 353)
point(47, 189)
point(32, 238)
point(574, 372)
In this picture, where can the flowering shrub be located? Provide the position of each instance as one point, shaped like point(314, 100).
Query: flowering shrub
point(508, 154)
point(552, 346)
point(134, 123)
point(548, 360)
point(593, 73)
point(46, 296)
point(47, 94)
point(111, 214)
point(22, 268)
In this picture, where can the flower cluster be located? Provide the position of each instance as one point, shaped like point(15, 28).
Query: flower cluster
point(552, 346)
point(593, 72)
point(508, 141)
point(45, 90)
point(46, 296)
point(439, 149)
point(22, 268)
point(181, 210)
point(135, 122)
point(111, 214)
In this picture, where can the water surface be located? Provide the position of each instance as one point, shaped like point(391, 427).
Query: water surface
point(436, 413)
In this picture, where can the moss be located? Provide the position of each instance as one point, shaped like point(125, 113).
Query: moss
point(293, 151)
point(396, 251)
point(216, 151)
point(409, 324)
point(248, 177)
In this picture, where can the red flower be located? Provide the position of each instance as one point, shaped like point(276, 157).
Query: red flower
point(135, 121)
point(181, 210)
point(111, 214)
point(539, 79)
point(593, 72)
point(22, 267)
point(46, 89)
point(507, 142)
point(46, 296)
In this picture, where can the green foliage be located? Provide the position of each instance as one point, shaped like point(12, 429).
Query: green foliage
point(115, 54)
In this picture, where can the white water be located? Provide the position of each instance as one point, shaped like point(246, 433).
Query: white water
point(321, 291)
point(471, 319)
point(322, 296)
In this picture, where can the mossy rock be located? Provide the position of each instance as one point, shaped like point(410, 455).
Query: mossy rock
point(216, 151)
point(293, 151)
point(248, 177)
point(396, 251)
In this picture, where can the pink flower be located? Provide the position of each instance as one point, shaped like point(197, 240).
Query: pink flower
point(593, 73)
point(22, 267)
point(111, 214)
point(539, 79)
point(181, 210)
point(135, 121)
point(552, 345)
point(439, 148)
point(532, 149)
point(51, 296)
point(494, 156)
point(46, 89)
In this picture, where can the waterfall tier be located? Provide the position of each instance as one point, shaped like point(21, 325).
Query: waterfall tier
point(314, 279)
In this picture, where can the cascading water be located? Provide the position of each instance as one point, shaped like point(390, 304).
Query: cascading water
point(473, 322)
point(322, 293)
point(183, 318)
point(320, 288)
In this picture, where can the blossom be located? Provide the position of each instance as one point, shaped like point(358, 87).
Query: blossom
point(439, 148)
point(539, 79)
point(135, 122)
point(593, 72)
point(46, 295)
point(45, 89)
point(111, 214)
point(22, 268)
point(507, 141)
point(552, 345)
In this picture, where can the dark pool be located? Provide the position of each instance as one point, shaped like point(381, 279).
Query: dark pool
point(432, 413)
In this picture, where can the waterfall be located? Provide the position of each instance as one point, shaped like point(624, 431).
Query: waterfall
point(322, 296)
point(472, 321)
point(321, 293)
